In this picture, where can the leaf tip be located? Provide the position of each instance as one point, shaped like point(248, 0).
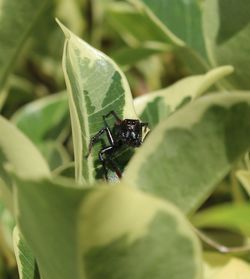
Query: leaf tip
point(65, 30)
point(229, 69)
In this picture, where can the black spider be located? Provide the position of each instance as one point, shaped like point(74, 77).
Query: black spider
point(125, 132)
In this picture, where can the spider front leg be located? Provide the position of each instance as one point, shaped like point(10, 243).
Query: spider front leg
point(117, 118)
point(103, 157)
point(97, 136)
point(145, 125)
point(116, 169)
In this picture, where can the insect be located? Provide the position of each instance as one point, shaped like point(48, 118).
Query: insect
point(127, 132)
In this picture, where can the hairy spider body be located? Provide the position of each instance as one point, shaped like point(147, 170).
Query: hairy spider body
point(127, 132)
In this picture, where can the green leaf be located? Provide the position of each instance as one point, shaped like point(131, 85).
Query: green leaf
point(24, 257)
point(7, 224)
point(17, 19)
point(95, 87)
point(183, 18)
point(244, 178)
point(191, 61)
point(54, 153)
point(44, 119)
point(45, 122)
point(178, 19)
point(185, 157)
point(138, 24)
point(2, 267)
point(3, 96)
point(130, 56)
point(227, 36)
point(17, 151)
point(156, 106)
point(6, 197)
point(18, 91)
point(55, 245)
point(139, 27)
point(227, 216)
point(67, 170)
point(96, 225)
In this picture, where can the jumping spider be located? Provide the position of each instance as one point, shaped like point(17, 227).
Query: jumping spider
point(125, 132)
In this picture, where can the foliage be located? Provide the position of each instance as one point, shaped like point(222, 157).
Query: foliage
point(182, 66)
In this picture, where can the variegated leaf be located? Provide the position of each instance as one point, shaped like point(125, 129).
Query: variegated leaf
point(24, 257)
point(147, 237)
point(213, 262)
point(186, 155)
point(95, 86)
point(154, 107)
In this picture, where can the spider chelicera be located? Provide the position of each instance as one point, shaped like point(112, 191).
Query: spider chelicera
point(127, 132)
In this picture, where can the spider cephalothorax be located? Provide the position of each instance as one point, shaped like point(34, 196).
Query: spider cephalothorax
point(125, 132)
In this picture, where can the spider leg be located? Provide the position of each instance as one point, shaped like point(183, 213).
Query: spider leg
point(97, 136)
point(145, 125)
point(117, 170)
point(117, 118)
point(103, 159)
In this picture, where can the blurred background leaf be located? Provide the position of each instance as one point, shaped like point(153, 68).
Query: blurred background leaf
point(226, 216)
point(227, 33)
point(17, 20)
point(183, 18)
